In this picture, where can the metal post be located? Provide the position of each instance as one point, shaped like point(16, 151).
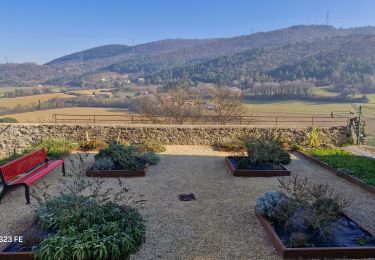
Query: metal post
point(94, 119)
point(132, 120)
point(312, 121)
point(276, 120)
point(359, 125)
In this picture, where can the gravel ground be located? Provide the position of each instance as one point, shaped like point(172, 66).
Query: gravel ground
point(220, 224)
point(361, 150)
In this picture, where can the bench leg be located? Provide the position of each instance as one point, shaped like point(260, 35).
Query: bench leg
point(27, 194)
point(2, 193)
point(63, 169)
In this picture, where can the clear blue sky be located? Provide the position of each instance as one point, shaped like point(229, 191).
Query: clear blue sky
point(41, 30)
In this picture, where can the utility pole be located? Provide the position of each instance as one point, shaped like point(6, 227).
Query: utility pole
point(327, 18)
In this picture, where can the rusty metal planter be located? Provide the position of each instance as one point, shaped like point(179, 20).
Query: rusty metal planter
point(315, 252)
point(255, 173)
point(118, 173)
point(16, 255)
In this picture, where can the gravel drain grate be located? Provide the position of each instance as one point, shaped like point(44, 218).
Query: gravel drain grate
point(187, 197)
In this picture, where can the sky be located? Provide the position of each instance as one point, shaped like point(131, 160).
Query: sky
point(42, 30)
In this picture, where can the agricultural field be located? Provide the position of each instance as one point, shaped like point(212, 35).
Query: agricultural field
point(29, 100)
point(46, 116)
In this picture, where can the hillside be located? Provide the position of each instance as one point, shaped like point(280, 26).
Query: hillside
point(340, 59)
point(319, 52)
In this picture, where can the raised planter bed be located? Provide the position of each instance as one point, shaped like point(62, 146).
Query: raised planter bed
point(118, 173)
point(14, 250)
point(316, 252)
point(348, 177)
point(16, 255)
point(266, 171)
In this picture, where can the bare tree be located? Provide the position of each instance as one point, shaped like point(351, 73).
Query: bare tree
point(227, 104)
point(177, 106)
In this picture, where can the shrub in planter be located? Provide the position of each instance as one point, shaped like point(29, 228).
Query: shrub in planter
point(150, 157)
point(268, 203)
point(266, 152)
point(126, 157)
point(103, 164)
point(302, 208)
point(117, 151)
point(88, 230)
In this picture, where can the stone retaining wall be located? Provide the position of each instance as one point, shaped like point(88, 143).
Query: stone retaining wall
point(17, 136)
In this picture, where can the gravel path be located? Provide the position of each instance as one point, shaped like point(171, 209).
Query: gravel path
point(361, 150)
point(220, 224)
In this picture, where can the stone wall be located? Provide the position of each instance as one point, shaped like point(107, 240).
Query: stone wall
point(17, 136)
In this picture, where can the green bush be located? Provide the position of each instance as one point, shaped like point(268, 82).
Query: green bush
point(243, 163)
point(233, 146)
point(151, 146)
point(103, 164)
point(150, 157)
point(92, 144)
point(260, 151)
point(8, 120)
point(129, 157)
point(88, 230)
point(55, 148)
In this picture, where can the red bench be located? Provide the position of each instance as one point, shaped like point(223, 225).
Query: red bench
point(26, 170)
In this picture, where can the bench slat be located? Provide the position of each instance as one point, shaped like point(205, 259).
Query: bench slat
point(14, 168)
point(39, 172)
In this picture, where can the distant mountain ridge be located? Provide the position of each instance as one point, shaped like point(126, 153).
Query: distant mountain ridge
point(282, 54)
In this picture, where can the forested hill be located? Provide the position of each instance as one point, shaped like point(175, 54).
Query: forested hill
point(339, 59)
point(317, 52)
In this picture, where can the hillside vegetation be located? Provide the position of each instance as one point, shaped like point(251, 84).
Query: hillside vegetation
point(322, 55)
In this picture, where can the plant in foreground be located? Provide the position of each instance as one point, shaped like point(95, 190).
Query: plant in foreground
point(86, 222)
point(300, 206)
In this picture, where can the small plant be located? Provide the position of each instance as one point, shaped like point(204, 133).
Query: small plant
point(8, 120)
point(103, 164)
point(149, 145)
point(150, 157)
point(298, 239)
point(361, 240)
point(235, 146)
point(92, 144)
point(318, 204)
point(243, 163)
point(266, 152)
point(314, 138)
point(268, 203)
point(343, 171)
